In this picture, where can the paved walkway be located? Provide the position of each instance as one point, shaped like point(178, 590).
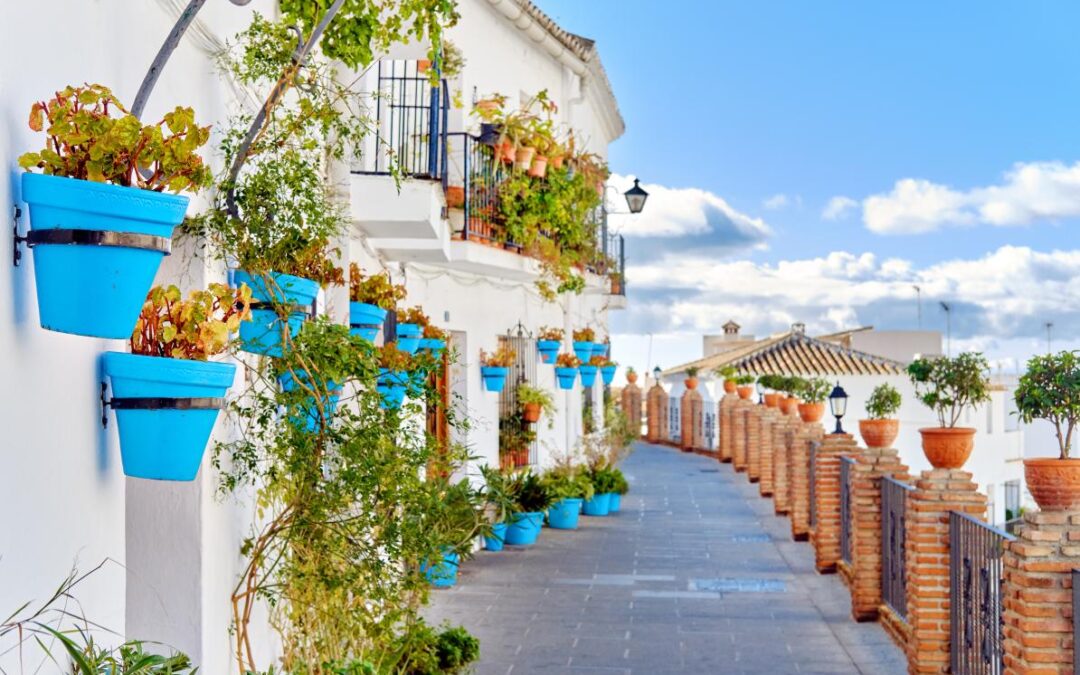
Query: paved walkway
point(696, 575)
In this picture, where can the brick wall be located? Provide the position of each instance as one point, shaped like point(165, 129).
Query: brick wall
point(738, 434)
point(825, 536)
point(782, 430)
point(753, 442)
point(769, 417)
point(656, 412)
point(726, 405)
point(801, 436)
point(630, 402)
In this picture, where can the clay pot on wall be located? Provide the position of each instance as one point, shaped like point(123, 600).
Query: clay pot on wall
point(772, 400)
point(690, 382)
point(1054, 483)
point(947, 447)
point(745, 392)
point(631, 377)
point(538, 168)
point(730, 386)
point(530, 412)
point(789, 405)
point(879, 433)
point(811, 412)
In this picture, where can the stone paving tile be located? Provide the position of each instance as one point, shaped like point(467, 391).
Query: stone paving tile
point(695, 575)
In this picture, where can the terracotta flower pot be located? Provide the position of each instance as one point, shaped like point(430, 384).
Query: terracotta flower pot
point(789, 405)
point(455, 196)
point(745, 392)
point(504, 152)
point(879, 433)
point(690, 382)
point(422, 65)
point(523, 158)
point(947, 448)
point(530, 412)
point(730, 386)
point(812, 412)
point(557, 162)
point(631, 378)
point(538, 168)
point(772, 400)
point(1054, 483)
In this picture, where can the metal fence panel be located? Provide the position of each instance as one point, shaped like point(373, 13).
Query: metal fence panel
point(846, 465)
point(975, 579)
point(894, 496)
point(674, 419)
point(709, 423)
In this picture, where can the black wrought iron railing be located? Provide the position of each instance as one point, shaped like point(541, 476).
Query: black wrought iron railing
point(846, 466)
point(976, 643)
point(894, 495)
point(410, 122)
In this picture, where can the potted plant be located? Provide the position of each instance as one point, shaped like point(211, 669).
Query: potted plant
point(454, 518)
point(601, 348)
point(566, 370)
point(532, 499)
point(167, 393)
point(100, 218)
point(604, 484)
point(501, 506)
point(947, 386)
point(744, 386)
point(621, 488)
point(496, 366)
point(691, 380)
point(791, 386)
point(607, 369)
point(515, 438)
point(631, 375)
point(533, 401)
point(370, 298)
point(410, 329)
point(771, 382)
point(393, 380)
point(728, 374)
point(568, 487)
point(1050, 390)
point(882, 428)
point(434, 340)
point(549, 342)
point(813, 393)
point(588, 370)
point(583, 343)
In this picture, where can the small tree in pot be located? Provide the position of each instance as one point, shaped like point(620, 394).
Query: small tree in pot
point(948, 386)
point(691, 381)
point(771, 382)
point(728, 373)
point(1050, 390)
point(533, 401)
point(743, 385)
point(813, 393)
point(881, 429)
point(792, 386)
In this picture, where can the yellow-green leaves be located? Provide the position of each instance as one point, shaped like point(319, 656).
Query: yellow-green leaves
point(196, 328)
point(86, 141)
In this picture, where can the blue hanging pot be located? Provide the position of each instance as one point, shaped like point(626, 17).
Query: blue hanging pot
point(408, 337)
point(583, 350)
point(549, 350)
point(434, 346)
point(588, 375)
point(165, 411)
point(443, 574)
point(600, 348)
point(265, 333)
point(312, 414)
point(391, 385)
point(494, 377)
point(97, 248)
point(566, 376)
point(366, 319)
point(607, 373)
point(563, 514)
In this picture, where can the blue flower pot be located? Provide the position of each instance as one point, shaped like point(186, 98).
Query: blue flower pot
point(583, 350)
point(615, 502)
point(366, 319)
point(549, 350)
point(433, 346)
point(607, 373)
point(408, 337)
point(95, 290)
point(265, 333)
point(600, 348)
point(311, 415)
point(392, 387)
point(524, 528)
point(563, 514)
point(165, 443)
point(498, 537)
point(599, 505)
point(566, 377)
point(494, 377)
point(588, 375)
point(444, 573)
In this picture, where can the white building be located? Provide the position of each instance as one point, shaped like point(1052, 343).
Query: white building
point(176, 545)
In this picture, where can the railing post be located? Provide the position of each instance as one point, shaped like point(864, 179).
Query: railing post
point(631, 406)
point(656, 412)
point(753, 442)
point(690, 411)
point(727, 436)
point(738, 433)
point(825, 535)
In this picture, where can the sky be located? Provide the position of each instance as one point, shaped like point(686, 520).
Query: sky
point(814, 161)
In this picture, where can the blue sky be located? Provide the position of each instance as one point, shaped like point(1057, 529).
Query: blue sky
point(946, 133)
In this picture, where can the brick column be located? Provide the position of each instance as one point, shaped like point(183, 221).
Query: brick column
point(1037, 594)
point(825, 536)
point(656, 410)
point(727, 405)
point(690, 412)
point(865, 569)
point(781, 452)
point(926, 562)
point(753, 442)
point(801, 437)
point(738, 434)
point(769, 418)
point(631, 406)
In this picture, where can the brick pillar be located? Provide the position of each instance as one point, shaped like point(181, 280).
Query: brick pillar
point(656, 410)
point(690, 412)
point(825, 536)
point(926, 561)
point(769, 417)
point(727, 405)
point(865, 569)
point(800, 437)
point(738, 434)
point(1037, 594)
point(781, 452)
point(631, 406)
point(753, 442)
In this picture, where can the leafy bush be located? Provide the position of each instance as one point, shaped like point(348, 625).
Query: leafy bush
point(376, 289)
point(621, 484)
point(529, 492)
point(948, 385)
point(693, 371)
point(196, 328)
point(603, 479)
point(1050, 390)
point(564, 482)
point(502, 357)
point(548, 333)
point(884, 402)
point(567, 361)
point(584, 335)
point(425, 652)
point(526, 393)
point(814, 390)
point(743, 380)
point(498, 493)
point(727, 372)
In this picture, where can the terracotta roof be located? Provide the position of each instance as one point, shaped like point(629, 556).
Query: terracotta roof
point(793, 353)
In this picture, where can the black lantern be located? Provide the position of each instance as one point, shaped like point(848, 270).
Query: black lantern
point(838, 404)
point(635, 197)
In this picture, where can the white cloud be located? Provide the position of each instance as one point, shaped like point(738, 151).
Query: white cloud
point(1028, 192)
point(838, 208)
point(776, 202)
point(685, 212)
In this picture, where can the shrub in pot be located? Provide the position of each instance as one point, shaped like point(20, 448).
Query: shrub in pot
point(604, 484)
point(948, 386)
point(773, 383)
point(631, 375)
point(454, 518)
point(588, 370)
point(370, 298)
point(744, 386)
point(500, 507)
point(533, 402)
point(100, 221)
point(691, 381)
point(166, 393)
point(495, 367)
point(621, 488)
point(548, 343)
point(1050, 390)
point(410, 329)
point(583, 344)
point(728, 375)
point(532, 499)
point(813, 393)
point(393, 379)
point(607, 370)
point(792, 386)
point(566, 370)
point(568, 487)
point(882, 428)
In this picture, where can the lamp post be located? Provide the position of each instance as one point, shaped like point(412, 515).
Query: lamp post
point(656, 375)
point(635, 197)
point(838, 403)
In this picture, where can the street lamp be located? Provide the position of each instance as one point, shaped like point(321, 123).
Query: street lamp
point(656, 374)
point(838, 404)
point(635, 197)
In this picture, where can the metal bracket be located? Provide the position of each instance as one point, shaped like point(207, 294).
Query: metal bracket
point(69, 237)
point(156, 403)
point(16, 238)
